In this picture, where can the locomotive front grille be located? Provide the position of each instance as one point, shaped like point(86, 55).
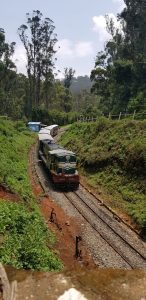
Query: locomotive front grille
point(69, 171)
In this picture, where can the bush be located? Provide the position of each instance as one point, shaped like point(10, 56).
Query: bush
point(15, 140)
point(25, 239)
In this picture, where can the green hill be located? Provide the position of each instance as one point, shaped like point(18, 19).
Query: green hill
point(112, 155)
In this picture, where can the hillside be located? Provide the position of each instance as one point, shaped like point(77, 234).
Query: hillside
point(80, 84)
point(112, 156)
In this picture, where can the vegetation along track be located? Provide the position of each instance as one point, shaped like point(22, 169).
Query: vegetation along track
point(122, 240)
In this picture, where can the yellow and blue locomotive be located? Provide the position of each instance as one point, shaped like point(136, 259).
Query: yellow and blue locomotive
point(61, 163)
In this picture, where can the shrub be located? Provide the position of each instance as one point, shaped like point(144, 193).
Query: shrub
point(25, 239)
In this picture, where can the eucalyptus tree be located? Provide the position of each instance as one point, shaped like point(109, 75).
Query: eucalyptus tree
point(6, 52)
point(68, 76)
point(120, 70)
point(48, 50)
point(39, 39)
point(134, 20)
point(8, 77)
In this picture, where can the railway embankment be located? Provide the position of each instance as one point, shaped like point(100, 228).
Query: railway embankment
point(112, 161)
point(25, 241)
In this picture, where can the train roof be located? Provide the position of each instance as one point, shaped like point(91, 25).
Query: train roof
point(34, 123)
point(61, 152)
point(51, 126)
point(44, 130)
point(45, 137)
point(53, 146)
point(55, 149)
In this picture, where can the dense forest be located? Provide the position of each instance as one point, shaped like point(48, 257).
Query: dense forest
point(117, 82)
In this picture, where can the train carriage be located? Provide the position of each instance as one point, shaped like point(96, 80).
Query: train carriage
point(53, 129)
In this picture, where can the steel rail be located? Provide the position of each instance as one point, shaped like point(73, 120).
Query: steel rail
point(101, 218)
point(93, 225)
point(110, 209)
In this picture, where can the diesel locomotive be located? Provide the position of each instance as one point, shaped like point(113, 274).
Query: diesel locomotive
point(61, 163)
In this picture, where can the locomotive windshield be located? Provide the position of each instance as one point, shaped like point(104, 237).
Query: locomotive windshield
point(67, 159)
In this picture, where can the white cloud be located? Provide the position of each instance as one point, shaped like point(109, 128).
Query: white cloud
point(19, 59)
point(64, 47)
point(74, 50)
point(83, 49)
point(100, 27)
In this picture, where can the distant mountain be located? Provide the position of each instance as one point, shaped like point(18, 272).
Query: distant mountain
point(80, 83)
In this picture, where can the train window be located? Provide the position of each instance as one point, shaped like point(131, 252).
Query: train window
point(62, 159)
point(67, 159)
point(72, 159)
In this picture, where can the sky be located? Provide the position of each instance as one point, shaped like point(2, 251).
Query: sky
point(79, 25)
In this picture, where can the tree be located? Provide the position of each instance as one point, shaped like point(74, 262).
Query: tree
point(68, 76)
point(39, 41)
point(120, 71)
point(10, 103)
point(6, 52)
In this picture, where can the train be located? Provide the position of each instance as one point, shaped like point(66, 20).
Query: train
point(39, 127)
point(60, 162)
point(53, 129)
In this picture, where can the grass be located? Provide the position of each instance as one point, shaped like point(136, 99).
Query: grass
point(15, 141)
point(112, 155)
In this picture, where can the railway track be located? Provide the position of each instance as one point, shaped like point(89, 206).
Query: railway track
point(110, 210)
point(118, 238)
point(107, 228)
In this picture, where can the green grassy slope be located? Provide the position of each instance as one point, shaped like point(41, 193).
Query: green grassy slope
point(24, 237)
point(112, 154)
point(15, 142)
